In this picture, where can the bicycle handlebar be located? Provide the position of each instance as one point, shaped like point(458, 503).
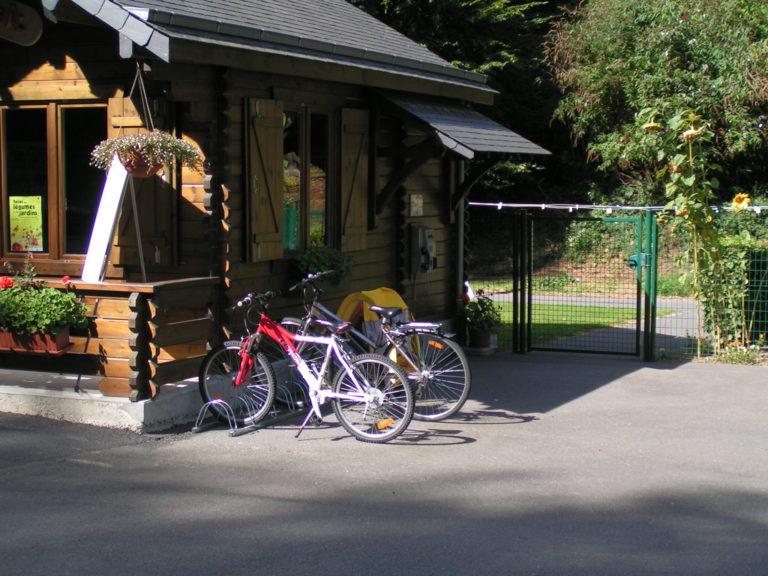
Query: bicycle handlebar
point(311, 279)
point(255, 298)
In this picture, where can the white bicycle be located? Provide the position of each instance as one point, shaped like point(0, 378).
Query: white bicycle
point(370, 394)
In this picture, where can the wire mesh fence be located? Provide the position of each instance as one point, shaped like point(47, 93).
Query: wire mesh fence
point(588, 298)
point(579, 281)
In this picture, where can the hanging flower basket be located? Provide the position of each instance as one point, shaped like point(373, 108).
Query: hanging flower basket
point(145, 154)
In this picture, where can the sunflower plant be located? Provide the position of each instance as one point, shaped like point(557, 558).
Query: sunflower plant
point(718, 260)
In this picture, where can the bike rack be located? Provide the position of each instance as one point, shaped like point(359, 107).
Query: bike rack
point(234, 429)
point(293, 397)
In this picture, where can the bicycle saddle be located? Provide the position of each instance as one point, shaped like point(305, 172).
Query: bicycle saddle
point(387, 313)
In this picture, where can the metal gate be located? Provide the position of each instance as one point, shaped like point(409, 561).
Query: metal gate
point(577, 283)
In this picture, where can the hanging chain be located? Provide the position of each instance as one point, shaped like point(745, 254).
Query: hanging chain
point(138, 81)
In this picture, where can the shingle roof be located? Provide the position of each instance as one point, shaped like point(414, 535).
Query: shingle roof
point(318, 30)
point(321, 29)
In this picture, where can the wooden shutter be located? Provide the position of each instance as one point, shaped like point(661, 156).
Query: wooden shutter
point(265, 168)
point(354, 179)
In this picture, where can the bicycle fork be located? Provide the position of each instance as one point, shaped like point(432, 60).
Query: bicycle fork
point(316, 395)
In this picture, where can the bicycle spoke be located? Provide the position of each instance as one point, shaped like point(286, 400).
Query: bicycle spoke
point(387, 406)
point(443, 380)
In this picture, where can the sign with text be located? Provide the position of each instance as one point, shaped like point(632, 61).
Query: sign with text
point(26, 219)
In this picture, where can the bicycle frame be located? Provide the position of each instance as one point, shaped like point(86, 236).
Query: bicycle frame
point(391, 334)
point(389, 338)
point(318, 395)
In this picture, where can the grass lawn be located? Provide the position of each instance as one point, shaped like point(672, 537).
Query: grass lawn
point(552, 321)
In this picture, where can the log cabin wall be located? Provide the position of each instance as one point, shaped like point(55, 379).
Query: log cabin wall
point(196, 227)
point(383, 257)
point(375, 260)
point(142, 334)
point(423, 199)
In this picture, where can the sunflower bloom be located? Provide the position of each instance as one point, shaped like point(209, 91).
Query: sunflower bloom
point(741, 201)
point(692, 134)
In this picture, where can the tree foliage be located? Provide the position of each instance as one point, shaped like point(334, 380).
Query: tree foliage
point(613, 59)
point(503, 40)
point(479, 35)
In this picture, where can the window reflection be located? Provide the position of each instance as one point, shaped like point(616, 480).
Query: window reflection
point(292, 181)
point(318, 179)
point(305, 187)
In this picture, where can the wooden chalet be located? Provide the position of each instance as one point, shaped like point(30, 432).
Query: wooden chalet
point(319, 125)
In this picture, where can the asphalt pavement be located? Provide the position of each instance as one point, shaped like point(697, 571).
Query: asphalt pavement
point(558, 465)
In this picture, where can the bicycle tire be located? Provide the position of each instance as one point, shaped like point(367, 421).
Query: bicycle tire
point(443, 381)
point(388, 413)
point(240, 405)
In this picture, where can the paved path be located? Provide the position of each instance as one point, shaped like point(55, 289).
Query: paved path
point(560, 465)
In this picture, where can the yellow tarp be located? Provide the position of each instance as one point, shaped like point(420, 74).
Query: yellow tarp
point(355, 308)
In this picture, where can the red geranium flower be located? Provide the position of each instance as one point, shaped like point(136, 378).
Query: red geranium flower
point(5, 282)
point(66, 279)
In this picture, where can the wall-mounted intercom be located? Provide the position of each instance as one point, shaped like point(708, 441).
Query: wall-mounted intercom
point(423, 249)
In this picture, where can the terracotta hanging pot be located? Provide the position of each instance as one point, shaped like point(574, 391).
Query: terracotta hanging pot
point(138, 166)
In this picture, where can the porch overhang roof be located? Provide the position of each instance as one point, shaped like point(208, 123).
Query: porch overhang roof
point(465, 131)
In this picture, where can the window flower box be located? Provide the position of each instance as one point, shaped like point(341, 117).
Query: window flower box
point(36, 317)
point(39, 343)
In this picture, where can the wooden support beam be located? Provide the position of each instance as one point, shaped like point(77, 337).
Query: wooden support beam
point(476, 171)
point(417, 155)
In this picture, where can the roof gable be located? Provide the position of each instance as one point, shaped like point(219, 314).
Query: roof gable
point(325, 28)
point(327, 21)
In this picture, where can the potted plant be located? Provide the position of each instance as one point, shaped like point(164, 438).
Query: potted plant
point(481, 317)
point(143, 155)
point(34, 316)
point(321, 258)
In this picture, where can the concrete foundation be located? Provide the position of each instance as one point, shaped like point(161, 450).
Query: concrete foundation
point(74, 398)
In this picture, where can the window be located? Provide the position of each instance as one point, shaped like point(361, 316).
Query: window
point(50, 193)
point(308, 181)
point(305, 184)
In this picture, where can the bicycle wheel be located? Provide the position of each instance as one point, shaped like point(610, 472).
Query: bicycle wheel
point(230, 404)
point(381, 403)
point(442, 381)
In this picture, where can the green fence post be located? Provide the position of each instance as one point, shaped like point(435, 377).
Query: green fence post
point(651, 250)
